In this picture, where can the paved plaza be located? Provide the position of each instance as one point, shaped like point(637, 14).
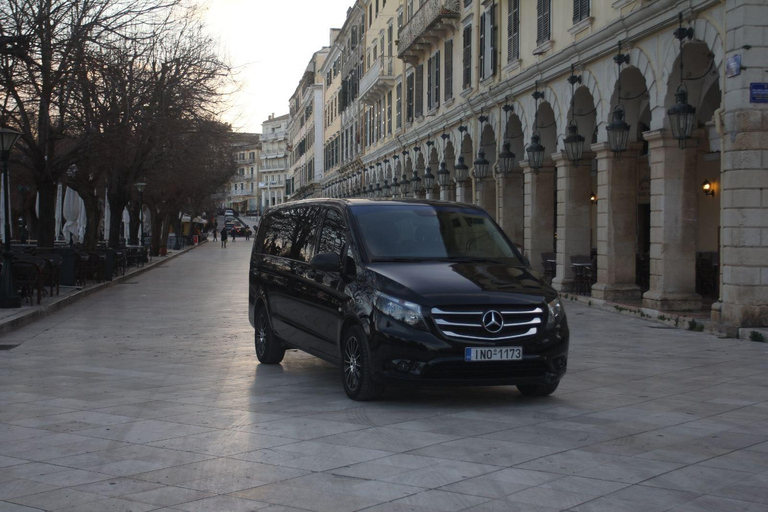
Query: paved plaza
point(147, 396)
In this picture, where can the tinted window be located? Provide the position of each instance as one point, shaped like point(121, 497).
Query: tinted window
point(425, 232)
point(290, 232)
point(333, 236)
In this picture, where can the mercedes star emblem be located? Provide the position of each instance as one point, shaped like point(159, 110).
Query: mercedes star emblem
point(493, 321)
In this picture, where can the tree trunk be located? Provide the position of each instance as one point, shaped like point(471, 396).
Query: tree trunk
point(47, 208)
point(93, 221)
point(116, 207)
point(165, 230)
point(157, 226)
point(133, 228)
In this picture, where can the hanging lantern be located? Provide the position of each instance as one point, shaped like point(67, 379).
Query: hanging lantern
point(481, 166)
point(574, 144)
point(405, 185)
point(506, 160)
point(429, 179)
point(443, 175)
point(682, 116)
point(462, 171)
point(618, 131)
point(535, 152)
point(415, 182)
point(378, 191)
point(395, 188)
point(386, 190)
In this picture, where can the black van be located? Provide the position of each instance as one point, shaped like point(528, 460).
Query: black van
point(403, 292)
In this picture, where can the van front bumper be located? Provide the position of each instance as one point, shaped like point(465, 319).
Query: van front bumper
point(402, 355)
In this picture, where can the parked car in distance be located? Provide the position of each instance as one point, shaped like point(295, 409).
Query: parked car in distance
point(229, 213)
point(403, 293)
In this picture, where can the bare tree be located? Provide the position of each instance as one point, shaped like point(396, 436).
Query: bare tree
point(45, 42)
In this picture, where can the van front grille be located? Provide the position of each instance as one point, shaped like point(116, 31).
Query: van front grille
point(500, 323)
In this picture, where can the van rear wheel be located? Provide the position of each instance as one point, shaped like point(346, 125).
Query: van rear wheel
point(356, 367)
point(268, 349)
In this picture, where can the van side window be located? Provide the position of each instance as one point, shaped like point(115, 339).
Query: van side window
point(333, 237)
point(292, 233)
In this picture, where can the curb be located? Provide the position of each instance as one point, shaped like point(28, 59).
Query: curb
point(674, 319)
point(30, 316)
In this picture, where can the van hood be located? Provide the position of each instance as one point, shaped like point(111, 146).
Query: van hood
point(433, 283)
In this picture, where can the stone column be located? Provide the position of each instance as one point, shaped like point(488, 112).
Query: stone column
point(485, 190)
point(512, 205)
point(673, 224)
point(539, 213)
point(744, 179)
point(616, 222)
point(574, 208)
point(464, 191)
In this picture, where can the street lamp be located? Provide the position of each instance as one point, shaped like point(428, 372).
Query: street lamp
point(574, 142)
point(682, 115)
point(618, 130)
point(8, 296)
point(140, 187)
point(506, 156)
point(535, 150)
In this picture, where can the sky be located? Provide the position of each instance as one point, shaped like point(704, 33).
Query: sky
point(269, 43)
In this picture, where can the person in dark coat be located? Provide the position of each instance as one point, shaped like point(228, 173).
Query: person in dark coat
point(223, 237)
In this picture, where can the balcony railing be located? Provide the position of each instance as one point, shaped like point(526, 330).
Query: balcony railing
point(379, 78)
point(429, 18)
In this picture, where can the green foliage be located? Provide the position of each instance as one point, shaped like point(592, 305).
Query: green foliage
point(757, 336)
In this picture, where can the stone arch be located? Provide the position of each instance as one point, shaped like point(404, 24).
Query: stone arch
point(700, 75)
point(705, 31)
point(514, 132)
point(449, 156)
point(639, 61)
point(584, 113)
point(589, 81)
point(546, 125)
point(467, 149)
point(634, 99)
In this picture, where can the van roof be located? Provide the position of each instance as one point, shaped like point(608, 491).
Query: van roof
point(377, 202)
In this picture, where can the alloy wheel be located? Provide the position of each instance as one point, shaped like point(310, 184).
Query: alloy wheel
point(352, 363)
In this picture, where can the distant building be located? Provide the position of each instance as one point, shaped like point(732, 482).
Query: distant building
point(273, 172)
point(242, 188)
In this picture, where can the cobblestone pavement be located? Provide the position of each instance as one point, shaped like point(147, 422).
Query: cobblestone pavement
point(147, 396)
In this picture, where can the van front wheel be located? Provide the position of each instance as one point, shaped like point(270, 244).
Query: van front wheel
point(268, 349)
point(537, 389)
point(356, 367)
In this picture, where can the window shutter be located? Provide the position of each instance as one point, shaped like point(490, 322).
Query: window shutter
point(482, 46)
point(546, 20)
point(494, 35)
point(539, 21)
point(467, 57)
point(448, 69)
point(430, 70)
point(409, 98)
point(437, 79)
point(513, 30)
point(419, 90)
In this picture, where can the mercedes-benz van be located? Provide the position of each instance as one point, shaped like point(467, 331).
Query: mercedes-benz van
point(403, 292)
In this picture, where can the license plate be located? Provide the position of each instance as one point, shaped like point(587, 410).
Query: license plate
point(493, 354)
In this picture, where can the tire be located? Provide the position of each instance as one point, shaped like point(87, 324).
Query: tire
point(537, 389)
point(268, 349)
point(356, 367)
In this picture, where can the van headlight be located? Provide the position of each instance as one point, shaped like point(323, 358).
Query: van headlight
point(556, 313)
point(401, 310)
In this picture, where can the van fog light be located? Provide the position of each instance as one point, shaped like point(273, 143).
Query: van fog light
point(408, 366)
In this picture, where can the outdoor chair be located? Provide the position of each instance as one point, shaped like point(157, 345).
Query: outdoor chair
point(581, 266)
point(28, 279)
point(549, 264)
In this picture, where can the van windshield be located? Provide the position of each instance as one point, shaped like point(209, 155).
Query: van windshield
point(422, 232)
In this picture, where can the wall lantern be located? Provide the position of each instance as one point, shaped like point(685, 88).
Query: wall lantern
point(618, 130)
point(395, 183)
point(429, 178)
point(682, 115)
point(443, 174)
point(405, 184)
point(593, 198)
point(415, 180)
point(462, 171)
point(574, 142)
point(506, 157)
point(708, 188)
point(535, 150)
point(481, 166)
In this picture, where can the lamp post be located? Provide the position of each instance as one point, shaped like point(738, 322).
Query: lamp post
point(682, 115)
point(618, 130)
point(140, 187)
point(535, 150)
point(574, 142)
point(8, 296)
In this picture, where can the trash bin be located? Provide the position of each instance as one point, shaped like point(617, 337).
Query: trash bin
point(194, 239)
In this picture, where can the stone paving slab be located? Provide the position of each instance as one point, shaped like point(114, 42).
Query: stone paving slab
point(149, 397)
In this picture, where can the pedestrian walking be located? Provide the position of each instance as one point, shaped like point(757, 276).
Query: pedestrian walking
point(247, 234)
point(215, 233)
point(223, 237)
point(233, 233)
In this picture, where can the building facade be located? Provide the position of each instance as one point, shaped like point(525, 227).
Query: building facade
point(243, 192)
point(306, 131)
point(628, 132)
point(273, 171)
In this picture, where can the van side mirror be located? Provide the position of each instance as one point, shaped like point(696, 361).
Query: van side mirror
point(326, 262)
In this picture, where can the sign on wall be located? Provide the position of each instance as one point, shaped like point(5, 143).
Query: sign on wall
point(758, 92)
